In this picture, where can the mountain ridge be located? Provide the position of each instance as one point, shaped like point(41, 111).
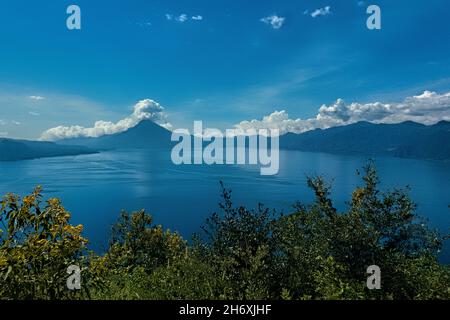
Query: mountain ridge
point(406, 140)
point(146, 134)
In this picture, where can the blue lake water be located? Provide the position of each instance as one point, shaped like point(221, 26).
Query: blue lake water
point(94, 188)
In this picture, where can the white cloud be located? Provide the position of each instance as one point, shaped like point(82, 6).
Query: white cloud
point(277, 120)
point(3, 134)
point(32, 113)
point(321, 12)
point(16, 123)
point(36, 98)
point(181, 18)
point(144, 110)
point(144, 24)
point(274, 21)
point(58, 108)
point(427, 108)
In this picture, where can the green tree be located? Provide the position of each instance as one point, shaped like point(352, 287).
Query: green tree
point(37, 245)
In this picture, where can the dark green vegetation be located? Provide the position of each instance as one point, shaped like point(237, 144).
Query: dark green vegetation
point(315, 252)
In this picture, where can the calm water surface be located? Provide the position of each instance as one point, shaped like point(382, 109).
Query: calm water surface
point(95, 188)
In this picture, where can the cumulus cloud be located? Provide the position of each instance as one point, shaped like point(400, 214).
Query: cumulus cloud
point(182, 18)
point(197, 18)
point(274, 21)
point(321, 12)
point(427, 108)
point(144, 110)
point(36, 98)
point(277, 120)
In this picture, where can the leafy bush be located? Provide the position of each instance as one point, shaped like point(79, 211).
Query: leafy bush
point(314, 252)
point(38, 246)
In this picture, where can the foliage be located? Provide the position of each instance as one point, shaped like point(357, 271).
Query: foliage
point(314, 252)
point(38, 246)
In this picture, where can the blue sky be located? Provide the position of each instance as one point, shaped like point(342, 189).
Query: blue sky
point(228, 67)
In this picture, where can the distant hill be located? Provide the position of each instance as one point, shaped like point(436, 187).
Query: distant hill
point(406, 140)
point(11, 150)
point(146, 134)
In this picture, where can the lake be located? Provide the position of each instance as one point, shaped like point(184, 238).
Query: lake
point(95, 188)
